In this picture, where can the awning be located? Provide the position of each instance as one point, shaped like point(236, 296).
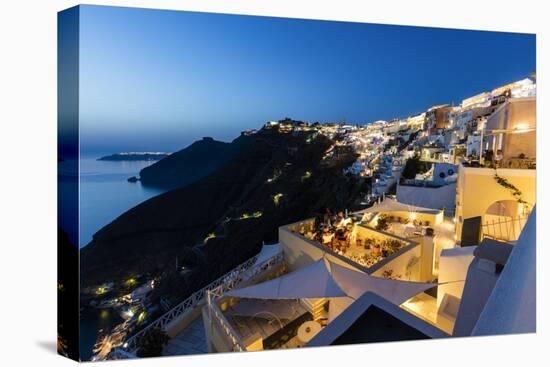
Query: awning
point(325, 279)
point(392, 205)
point(356, 283)
point(313, 281)
point(280, 308)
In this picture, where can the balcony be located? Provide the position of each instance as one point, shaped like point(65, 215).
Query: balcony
point(359, 245)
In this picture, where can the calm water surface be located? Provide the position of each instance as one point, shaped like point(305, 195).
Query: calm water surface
point(105, 194)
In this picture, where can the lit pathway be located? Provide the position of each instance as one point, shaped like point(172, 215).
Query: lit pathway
point(192, 340)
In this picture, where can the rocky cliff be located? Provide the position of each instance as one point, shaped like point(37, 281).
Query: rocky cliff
point(190, 164)
point(275, 178)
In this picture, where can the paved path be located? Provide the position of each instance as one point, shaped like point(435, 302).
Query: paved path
point(192, 340)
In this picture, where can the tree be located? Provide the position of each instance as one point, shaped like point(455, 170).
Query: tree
point(412, 167)
point(152, 343)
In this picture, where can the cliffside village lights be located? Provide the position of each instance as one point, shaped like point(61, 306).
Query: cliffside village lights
point(441, 253)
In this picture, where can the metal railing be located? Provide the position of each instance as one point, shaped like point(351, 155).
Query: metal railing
point(522, 163)
point(505, 229)
point(246, 270)
point(216, 315)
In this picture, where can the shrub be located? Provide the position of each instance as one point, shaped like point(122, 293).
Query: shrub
point(391, 246)
point(412, 167)
point(382, 223)
point(152, 343)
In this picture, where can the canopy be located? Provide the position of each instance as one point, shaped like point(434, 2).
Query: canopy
point(356, 283)
point(392, 205)
point(317, 281)
point(313, 281)
point(267, 252)
point(280, 308)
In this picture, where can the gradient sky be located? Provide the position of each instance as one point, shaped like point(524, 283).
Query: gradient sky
point(157, 80)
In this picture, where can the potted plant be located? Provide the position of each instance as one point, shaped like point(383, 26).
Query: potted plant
point(368, 243)
point(376, 249)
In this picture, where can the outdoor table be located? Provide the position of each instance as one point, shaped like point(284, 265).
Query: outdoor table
point(308, 330)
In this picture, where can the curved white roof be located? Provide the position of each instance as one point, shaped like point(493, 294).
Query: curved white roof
point(325, 279)
point(392, 205)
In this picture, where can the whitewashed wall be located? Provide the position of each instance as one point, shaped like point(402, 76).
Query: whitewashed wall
point(428, 197)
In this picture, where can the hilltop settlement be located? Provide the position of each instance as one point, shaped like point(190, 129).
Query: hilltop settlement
point(303, 234)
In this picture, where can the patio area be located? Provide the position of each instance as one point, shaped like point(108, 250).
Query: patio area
point(355, 240)
point(406, 230)
point(368, 251)
point(269, 323)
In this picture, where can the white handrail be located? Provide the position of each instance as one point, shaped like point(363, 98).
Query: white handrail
point(226, 282)
point(219, 292)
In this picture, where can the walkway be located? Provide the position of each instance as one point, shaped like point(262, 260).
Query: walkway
point(192, 340)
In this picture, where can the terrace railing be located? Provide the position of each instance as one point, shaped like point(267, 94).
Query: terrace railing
point(245, 271)
point(504, 229)
point(217, 316)
point(522, 163)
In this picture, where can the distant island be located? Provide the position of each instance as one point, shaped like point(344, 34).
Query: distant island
point(135, 156)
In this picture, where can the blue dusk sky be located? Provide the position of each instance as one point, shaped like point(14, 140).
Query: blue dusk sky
point(158, 80)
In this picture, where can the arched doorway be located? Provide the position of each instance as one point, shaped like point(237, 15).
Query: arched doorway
point(504, 219)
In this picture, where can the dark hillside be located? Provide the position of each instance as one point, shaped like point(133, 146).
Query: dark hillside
point(189, 164)
point(275, 179)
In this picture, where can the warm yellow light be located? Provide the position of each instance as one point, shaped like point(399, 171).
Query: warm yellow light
point(209, 236)
point(141, 317)
point(521, 126)
point(412, 215)
point(521, 209)
point(277, 198)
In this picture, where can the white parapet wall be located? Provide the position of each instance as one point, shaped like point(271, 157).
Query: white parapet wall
point(429, 197)
point(453, 267)
point(453, 270)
